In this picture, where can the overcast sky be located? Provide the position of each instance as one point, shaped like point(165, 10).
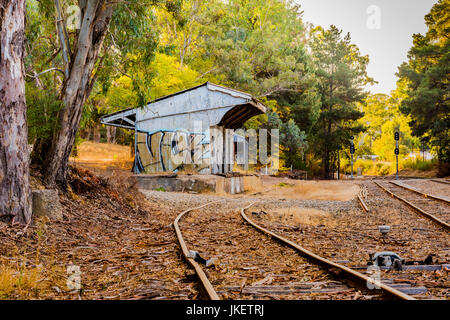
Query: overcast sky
point(386, 40)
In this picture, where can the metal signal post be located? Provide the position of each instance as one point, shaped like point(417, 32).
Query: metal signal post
point(397, 150)
point(352, 152)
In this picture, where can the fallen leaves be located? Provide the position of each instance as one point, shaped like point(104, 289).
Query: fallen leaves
point(120, 247)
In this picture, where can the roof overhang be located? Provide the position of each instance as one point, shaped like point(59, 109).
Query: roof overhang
point(236, 117)
point(122, 119)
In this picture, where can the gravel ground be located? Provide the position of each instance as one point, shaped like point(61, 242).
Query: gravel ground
point(430, 187)
point(341, 232)
point(432, 206)
point(349, 234)
point(252, 266)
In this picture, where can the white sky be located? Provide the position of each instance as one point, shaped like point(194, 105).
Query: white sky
point(388, 46)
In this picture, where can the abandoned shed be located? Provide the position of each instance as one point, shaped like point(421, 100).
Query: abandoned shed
point(189, 124)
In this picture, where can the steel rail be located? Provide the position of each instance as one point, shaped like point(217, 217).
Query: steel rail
point(440, 181)
point(363, 204)
point(207, 286)
point(422, 212)
point(363, 193)
point(354, 275)
point(426, 195)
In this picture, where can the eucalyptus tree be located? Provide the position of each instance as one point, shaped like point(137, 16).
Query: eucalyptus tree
point(100, 29)
point(15, 193)
point(260, 47)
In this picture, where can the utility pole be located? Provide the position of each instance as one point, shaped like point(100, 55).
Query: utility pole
point(339, 166)
point(352, 152)
point(397, 150)
point(136, 170)
point(423, 149)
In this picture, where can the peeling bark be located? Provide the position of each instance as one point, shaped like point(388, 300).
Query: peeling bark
point(15, 192)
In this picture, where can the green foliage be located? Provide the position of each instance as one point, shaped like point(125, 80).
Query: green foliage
point(170, 76)
point(120, 95)
point(258, 45)
point(42, 112)
point(420, 165)
point(341, 76)
point(313, 83)
point(426, 74)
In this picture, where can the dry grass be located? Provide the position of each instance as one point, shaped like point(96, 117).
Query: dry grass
point(302, 216)
point(303, 190)
point(124, 245)
point(24, 275)
point(103, 155)
point(18, 279)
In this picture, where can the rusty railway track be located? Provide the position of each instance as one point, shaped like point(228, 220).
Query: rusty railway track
point(426, 195)
point(437, 220)
point(441, 181)
point(206, 284)
point(358, 279)
point(361, 196)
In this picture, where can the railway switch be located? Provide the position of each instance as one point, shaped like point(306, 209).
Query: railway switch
point(387, 259)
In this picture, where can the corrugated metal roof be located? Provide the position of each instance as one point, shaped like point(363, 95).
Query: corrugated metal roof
point(252, 103)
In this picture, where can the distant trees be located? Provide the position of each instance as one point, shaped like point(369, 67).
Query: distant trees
point(126, 53)
point(15, 192)
point(260, 47)
point(428, 92)
point(383, 118)
point(340, 72)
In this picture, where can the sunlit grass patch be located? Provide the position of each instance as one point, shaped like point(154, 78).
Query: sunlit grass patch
point(297, 216)
point(25, 274)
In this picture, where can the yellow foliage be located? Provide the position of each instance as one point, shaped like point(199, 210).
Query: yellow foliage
point(170, 76)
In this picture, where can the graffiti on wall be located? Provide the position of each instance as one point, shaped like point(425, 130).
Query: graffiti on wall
point(172, 151)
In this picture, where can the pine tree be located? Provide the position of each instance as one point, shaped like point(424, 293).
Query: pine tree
point(341, 74)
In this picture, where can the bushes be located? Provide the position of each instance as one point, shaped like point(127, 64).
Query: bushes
point(378, 168)
point(370, 167)
point(420, 165)
point(42, 112)
point(386, 170)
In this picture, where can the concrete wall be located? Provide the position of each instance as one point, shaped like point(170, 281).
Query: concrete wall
point(195, 183)
point(169, 151)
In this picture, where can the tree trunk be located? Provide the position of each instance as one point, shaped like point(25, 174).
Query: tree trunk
point(97, 133)
point(94, 25)
point(111, 134)
point(15, 193)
